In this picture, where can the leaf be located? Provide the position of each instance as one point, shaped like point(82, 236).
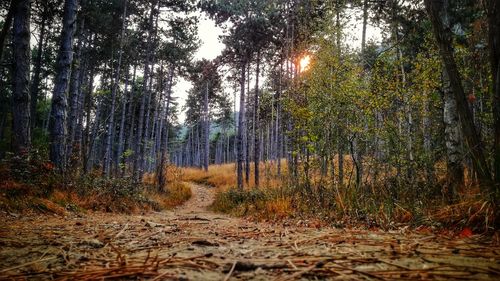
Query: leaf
point(465, 233)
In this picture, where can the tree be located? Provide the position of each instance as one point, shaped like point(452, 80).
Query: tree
point(455, 169)
point(438, 15)
point(36, 80)
point(63, 73)
point(493, 12)
point(140, 149)
point(111, 122)
point(7, 24)
point(21, 78)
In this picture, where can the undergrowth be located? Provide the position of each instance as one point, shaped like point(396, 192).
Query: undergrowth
point(387, 204)
point(277, 204)
point(31, 183)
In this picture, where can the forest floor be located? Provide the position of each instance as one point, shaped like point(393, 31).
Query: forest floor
point(193, 243)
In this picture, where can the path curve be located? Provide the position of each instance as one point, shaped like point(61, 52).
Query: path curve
point(202, 197)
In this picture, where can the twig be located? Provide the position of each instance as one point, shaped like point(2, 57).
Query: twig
point(121, 231)
point(291, 263)
point(159, 277)
point(230, 271)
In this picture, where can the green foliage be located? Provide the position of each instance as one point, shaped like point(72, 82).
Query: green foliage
point(116, 188)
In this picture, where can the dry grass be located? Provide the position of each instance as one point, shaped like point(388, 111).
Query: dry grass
point(177, 193)
point(48, 194)
point(224, 177)
point(277, 199)
point(278, 208)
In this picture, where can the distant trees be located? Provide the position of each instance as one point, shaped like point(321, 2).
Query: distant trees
point(207, 106)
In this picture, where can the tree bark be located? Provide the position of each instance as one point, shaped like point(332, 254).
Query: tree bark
point(57, 126)
point(75, 92)
point(21, 78)
point(455, 169)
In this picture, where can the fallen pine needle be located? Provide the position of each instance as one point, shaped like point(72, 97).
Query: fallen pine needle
point(230, 271)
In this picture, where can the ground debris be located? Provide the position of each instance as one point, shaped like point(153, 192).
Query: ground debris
point(175, 245)
point(94, 243)
point(204, 243)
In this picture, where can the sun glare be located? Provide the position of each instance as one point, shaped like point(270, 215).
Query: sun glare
point(304, 63)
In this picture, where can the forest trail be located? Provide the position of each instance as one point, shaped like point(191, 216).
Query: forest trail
point(193, 243)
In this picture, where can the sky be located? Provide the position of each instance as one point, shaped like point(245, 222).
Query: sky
point(211, 47)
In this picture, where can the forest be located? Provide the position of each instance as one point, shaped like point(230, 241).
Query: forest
point(323, 134)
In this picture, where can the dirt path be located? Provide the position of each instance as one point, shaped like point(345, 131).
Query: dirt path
point(191, 243)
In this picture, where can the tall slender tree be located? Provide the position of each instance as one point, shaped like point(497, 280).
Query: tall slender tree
point(57, 126)
point(108, 154)
point(21, 77)
point(493, 12)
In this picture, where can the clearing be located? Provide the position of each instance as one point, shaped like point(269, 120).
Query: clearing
point(192, 243)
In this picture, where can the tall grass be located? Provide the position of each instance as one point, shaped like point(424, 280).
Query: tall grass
point(384, 200)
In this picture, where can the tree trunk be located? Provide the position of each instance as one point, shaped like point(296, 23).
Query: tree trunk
point(108, 154)
point(139, 150)
point(7, 24)
point(241, 127)
point(35, 86)
point(256, 123)
point(248, 141)
point(85, 92)
point(75, 91)
point(121, 133)
point(442, 32)
point(57, 126)
point(146, 137)
point(131, 140)
point(162, 180)
point(85, 150)
point(21, 70)
point(279, 118)
point(493, 10)
point(427, 135)
point(206, 134)
point(455, 173)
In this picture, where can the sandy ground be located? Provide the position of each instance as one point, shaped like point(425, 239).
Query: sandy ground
point(192, 243)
